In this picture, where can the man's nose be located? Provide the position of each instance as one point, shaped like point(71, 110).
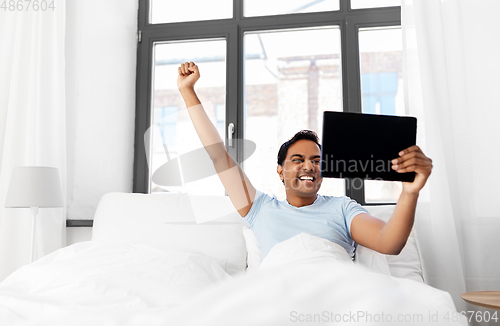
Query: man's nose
point(308, 165)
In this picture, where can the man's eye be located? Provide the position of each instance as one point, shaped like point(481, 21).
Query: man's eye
point(316, 162)
point(297, 160)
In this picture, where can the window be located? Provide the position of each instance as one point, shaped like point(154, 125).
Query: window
point(289, 80)
point(381, 68)
point(171, 134)
point(360, 4)
point(264, 68)
point(165, 11)
point(254, 8)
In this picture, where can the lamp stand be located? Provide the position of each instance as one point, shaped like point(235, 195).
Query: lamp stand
point(34, 213)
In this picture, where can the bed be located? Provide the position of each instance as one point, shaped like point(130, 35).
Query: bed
point(177, 259)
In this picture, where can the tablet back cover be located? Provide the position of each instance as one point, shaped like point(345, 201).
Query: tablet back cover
point(356, 145)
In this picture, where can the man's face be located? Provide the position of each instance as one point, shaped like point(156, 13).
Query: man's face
point(301, 169)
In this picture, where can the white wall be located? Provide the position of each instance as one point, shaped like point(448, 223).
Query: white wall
point(101, 43)
point(78, 234)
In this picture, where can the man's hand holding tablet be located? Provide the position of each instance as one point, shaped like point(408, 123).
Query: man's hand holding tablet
point(413, 159)
point(369, 146)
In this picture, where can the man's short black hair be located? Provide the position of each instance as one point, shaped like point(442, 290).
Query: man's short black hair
point(303, 134)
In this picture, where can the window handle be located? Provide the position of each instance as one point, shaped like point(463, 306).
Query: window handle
point(230, 132)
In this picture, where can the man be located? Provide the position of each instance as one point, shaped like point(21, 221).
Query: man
point(338, 219)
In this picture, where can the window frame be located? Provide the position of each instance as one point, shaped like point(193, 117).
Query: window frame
point(348, 20)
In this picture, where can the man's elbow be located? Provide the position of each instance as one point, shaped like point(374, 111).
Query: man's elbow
point(217, 154)
point(394, 252)
point(393, 249)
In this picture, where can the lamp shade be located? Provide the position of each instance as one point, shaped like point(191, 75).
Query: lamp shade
point(34, 186)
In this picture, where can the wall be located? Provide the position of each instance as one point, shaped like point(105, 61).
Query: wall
point(101, 43)
point(78, 234)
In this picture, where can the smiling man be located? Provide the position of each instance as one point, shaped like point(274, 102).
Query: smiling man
point(338, 219)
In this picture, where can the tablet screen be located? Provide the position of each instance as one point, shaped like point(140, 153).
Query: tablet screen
point(356, 145)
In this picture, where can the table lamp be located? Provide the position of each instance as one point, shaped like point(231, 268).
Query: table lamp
point(34, 187)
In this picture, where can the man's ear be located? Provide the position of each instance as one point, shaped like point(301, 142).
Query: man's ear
point(279, 169)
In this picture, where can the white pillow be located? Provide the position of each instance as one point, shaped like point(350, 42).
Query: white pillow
point(254, 255)
point(169, 219)
point(408, 263)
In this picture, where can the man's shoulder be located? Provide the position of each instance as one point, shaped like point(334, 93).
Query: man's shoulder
point(262, 201)
point(264, 197)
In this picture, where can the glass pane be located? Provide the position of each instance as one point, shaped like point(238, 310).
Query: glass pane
point(290, 79)
point(381, 64)
point(381, 91)
point(359, 4)
point(165, 11)
point(172, 134)
point(281, 7)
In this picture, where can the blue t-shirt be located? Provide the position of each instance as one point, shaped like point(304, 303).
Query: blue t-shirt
point(274, 221)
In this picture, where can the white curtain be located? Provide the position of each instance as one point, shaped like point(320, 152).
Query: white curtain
point(32, 122)
point(452, 74)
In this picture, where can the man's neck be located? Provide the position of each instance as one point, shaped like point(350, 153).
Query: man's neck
point(301, 201)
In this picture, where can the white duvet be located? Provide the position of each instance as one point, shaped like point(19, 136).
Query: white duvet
point(307, 280)
point(105, 282)
point(304, 280)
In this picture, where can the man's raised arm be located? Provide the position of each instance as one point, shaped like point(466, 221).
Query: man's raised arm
point(238, 187)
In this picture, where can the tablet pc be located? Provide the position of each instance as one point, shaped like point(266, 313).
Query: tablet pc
point(356, 145)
